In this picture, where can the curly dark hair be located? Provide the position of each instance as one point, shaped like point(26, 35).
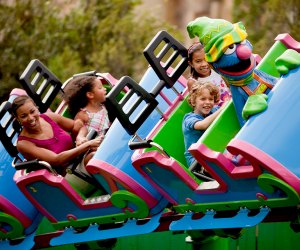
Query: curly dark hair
point(75, 92)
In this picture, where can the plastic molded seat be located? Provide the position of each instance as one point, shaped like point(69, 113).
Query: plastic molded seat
point(40, 84)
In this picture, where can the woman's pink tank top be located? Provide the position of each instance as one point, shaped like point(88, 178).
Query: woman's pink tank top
point(60, 142)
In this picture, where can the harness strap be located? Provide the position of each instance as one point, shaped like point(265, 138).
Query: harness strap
point(261, 88)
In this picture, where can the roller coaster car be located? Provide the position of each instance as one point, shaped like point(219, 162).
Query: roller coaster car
point(22, 224)
point(127, 195)
point(263, 187)
point(18, 216)
point(145, 171)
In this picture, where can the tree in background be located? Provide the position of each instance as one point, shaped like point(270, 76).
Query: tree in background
point(27, 31)
point(265, 19)
point(102, 35)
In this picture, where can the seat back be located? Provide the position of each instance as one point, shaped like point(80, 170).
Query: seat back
point(40, 84)
point(169, 64)
point(9, 129)
point(170, 135)
point(127, 114)
point(164, 53)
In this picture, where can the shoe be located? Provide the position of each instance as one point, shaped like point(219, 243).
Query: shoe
point(239, 160)
point(189, 239)
point(208, 185)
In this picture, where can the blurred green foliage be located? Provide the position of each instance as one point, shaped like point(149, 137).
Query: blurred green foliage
point(109, 36)
point(102, 35)
point(265, 19)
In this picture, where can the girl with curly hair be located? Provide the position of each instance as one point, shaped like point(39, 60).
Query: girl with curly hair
point(85, 96)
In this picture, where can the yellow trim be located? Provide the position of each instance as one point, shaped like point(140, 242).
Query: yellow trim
point(221, 45)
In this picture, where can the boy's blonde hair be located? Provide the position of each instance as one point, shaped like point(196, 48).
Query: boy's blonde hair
point(197, 89)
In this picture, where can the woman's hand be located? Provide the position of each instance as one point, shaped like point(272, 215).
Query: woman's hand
point(94, 144)
point(80, 140)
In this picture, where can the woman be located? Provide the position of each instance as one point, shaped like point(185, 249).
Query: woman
point(47, 136)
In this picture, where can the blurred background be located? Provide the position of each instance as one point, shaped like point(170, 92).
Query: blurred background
point(73, 36)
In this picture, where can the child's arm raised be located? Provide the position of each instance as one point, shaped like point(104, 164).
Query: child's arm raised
point(205, 123)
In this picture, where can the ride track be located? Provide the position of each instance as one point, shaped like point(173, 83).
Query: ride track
point(147, 185)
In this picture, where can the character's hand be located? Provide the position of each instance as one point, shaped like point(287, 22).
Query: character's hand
point(255, 104)
point(290, 59)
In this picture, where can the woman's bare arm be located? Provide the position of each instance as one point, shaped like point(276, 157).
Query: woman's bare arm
point(30, 151)
point(65, 123)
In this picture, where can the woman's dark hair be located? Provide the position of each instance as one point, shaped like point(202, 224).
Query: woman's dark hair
point(75, 92)
point(192, 49)
point(18, 102)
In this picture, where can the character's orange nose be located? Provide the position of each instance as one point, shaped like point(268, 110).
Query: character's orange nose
point(243, 52)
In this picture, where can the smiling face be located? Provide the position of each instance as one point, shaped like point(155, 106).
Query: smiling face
point(199, 63)
point(203, 96)
point(203, 103)
point(28, 115)
point(237, 62)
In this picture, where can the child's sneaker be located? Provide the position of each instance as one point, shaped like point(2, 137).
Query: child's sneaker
point(188, 239)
